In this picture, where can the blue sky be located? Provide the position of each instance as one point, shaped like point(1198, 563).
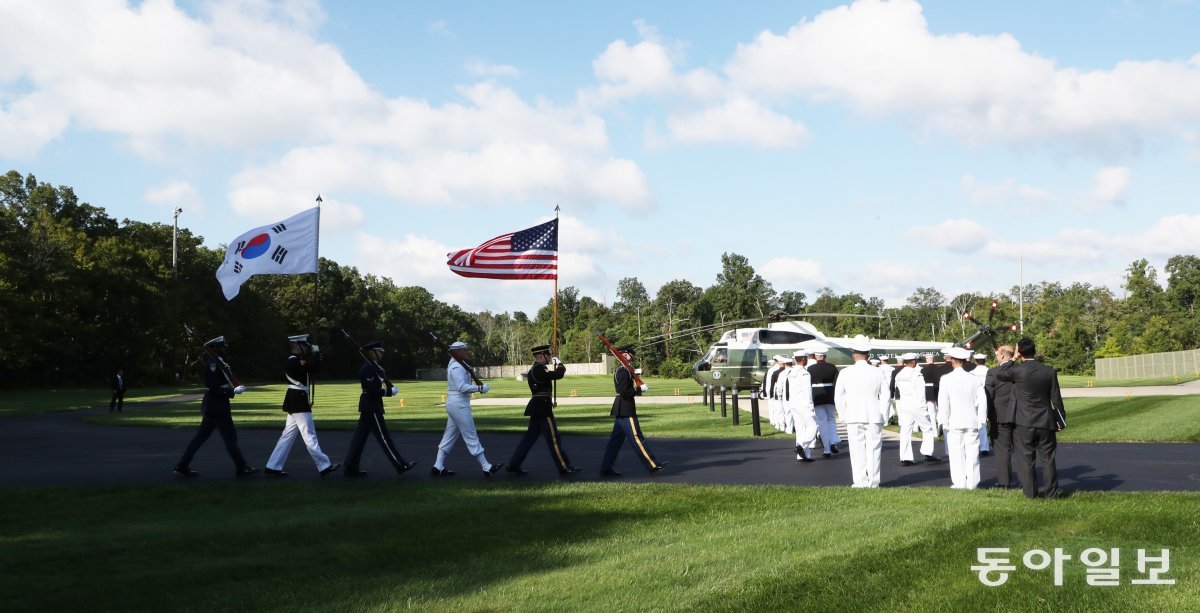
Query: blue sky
point(873, 146)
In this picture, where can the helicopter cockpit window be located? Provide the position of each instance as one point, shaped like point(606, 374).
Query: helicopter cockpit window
point(782, 337)
point(720, 356)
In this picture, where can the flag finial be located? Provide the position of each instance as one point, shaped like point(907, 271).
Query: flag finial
point(319, 201)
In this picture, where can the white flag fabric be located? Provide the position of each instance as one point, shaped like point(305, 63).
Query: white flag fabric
point(285, 248)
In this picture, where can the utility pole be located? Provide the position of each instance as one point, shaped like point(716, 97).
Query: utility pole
point(174, 243)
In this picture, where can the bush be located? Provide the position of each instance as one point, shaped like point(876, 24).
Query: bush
point(674, 368)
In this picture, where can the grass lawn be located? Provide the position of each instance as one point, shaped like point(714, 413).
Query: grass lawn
point(1132, 419)
point(35, 402)
point(589, 546)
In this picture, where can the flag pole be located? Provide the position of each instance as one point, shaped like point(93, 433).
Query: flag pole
point(555, 334)
point(316, 301)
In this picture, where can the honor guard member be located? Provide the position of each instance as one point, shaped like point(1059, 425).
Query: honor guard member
point(540, 411)
point(933, 371)
point(981, 371)
point(626, 425)
point(782, 401)
point(768, 390)
point(912, 411)
point(460, 423)
point(304, 360)
point(824, 378)
point(800, 404)
point(216, 413)
point(370, 414)
point(1039, 415)
point(962, 409)
point(1001, 414)
point(862, 402)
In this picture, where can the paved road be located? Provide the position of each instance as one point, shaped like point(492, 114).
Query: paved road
point(61, 449)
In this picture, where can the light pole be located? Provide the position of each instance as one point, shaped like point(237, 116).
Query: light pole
point(174, 248)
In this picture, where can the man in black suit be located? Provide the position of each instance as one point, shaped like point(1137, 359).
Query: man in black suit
point(118, 392)
point(1039, 414)
point(1001, 406)
point(540, 411)
point(626, 425)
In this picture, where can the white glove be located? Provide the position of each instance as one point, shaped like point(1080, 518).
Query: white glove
point(555, 361)
point(239, 389)
point(645, 388)
point(483, 389)
point(395, 390)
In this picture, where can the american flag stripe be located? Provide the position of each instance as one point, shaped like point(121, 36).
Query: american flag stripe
point(528, 254)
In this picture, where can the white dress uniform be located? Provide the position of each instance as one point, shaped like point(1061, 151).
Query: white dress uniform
point(768, 393)
point(984, 445)
point(800, 406)
point(459, 421)
point(783, 392)
point(962, 409)
point(862, 401)
point(913, 413)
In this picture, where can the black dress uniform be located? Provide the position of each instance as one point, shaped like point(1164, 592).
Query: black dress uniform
point(217, 415)
point(1002, 415)
point(626, 426)
point(370, 420)
point(540, 411)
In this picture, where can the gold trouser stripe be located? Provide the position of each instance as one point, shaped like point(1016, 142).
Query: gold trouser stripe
point(637, 439)
point(552, 433)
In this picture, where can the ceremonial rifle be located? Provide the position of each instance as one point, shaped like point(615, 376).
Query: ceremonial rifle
point(621, 358)
point(378, 368)
point(216, 356)
point(471, 371)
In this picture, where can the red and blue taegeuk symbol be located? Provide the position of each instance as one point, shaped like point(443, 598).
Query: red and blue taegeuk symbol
point(257, 246)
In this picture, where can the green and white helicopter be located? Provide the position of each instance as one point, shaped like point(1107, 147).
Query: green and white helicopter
point(739, 359)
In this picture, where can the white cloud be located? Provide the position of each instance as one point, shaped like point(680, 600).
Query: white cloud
point(484, 69)
point(647, 68)
point(1172, 235)
point(881, 58)
point(789, 273)
point(739, 120)
point(1066, 246)
point(440, 28)
point(889, 280)
point(1004, 194)
point(957, 235)
point(174, 194)
point(1111, 183)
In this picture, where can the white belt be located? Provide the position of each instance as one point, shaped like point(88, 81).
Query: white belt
point(298, 387)
point(822, 385)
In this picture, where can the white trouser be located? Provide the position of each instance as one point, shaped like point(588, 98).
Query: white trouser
point(911, 421)
point(866, 445)
point(984, 445)
point(302, 424)
point(787, 419)
point(805, 421)
point(460, 424)
point(963, 445)
point(772, 413)
point(827, 422)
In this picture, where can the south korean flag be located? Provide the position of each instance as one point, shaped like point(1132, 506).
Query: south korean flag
point(285, 248)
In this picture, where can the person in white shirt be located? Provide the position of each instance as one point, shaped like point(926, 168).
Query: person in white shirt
point(862, 403)
point(962, 409)
point(981, 370)
point(460, 424)
point(783, 417)
point(912, 411)
point(768, 390)
point(800, 405)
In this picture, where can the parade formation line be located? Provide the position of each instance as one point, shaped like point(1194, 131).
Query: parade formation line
point(62, 449)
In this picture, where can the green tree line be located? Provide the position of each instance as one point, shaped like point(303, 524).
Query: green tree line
point(82, 294)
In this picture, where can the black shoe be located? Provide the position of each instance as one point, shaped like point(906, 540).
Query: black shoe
point(833, 449)
point(245, 471)
point(445, 472)
point(659, 468)
point(516, 470)
point(330, 468)
point(907, 462)
point(984, 454)
point(403, 468)
point(827, 455)
point(932, 460)
point(804, 458)
point(354, 474)
point(278, 473)
point(494, 469)
point(610, 473)
point(184, 471)
point(570, 470)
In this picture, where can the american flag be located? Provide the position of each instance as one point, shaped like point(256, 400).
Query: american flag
point(527, 254)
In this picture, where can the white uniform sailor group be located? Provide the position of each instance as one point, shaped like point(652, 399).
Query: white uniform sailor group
point(863, 397)
point(792, 392)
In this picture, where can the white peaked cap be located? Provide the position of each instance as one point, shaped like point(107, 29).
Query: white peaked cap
point(958, 353)
point(789, 361)
point(458, 345)
point(860, 344)
point(979, 356)
point(800, 353)
point(815, 348)
point(777, 358)
point(909, 357)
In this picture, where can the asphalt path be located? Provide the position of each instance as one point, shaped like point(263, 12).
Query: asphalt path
point(62, 449)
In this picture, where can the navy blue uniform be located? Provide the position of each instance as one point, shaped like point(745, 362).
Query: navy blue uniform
point(626, 426)
point(540, 411)
point(216, 415)
point(370, 421)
